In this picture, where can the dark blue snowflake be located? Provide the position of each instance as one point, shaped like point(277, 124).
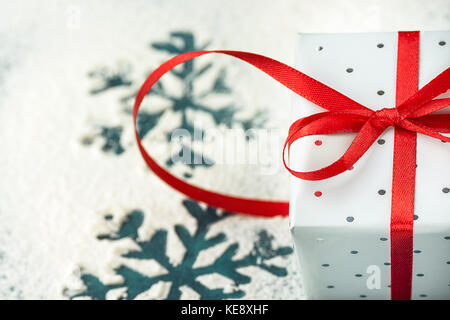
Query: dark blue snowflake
point(111, 78)
point(185, 274)
point(111, 137)
point(189, 102)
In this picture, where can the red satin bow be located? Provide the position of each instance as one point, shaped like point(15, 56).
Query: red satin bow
point(412, 114)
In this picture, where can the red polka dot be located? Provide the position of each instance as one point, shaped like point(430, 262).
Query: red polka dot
point(318, 194)
point(318, 142)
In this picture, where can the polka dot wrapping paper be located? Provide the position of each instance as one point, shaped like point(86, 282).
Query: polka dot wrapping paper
point(341, 226)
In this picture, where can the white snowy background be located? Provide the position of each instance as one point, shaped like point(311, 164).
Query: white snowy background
point(55, 191)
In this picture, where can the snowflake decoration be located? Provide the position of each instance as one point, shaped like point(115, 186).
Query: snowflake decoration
point(111, 78)
point(111, 137)
point(185, 274)
point(190, 102)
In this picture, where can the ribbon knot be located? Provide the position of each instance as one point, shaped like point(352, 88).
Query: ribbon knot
point(387, 117)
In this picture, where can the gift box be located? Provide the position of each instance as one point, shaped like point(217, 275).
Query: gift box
point(341, 226)
point(374, 224)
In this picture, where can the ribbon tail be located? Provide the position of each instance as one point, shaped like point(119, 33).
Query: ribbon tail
point(430, 107)
point(438, 122)
point(414, 126)
point(435, 87)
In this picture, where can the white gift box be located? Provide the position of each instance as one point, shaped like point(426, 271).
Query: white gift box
point(340, 226)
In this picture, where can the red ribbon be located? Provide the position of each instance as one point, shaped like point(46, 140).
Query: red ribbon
point(412, 114)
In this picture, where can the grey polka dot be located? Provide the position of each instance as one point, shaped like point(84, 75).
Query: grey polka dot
point(420, 274)
point(349, 70)
point(362, 296)
point(446, 190)
point(415, 217)
point(354, 252)
point(350, 219)
point(325, 265)
point(381, 141)
point(109, 217)
point(417, 251)
point(389, 285)
point(442, 43)
point(387, 263)
point(358, 275)
point(380, 92)
point(380, 45)
point(319, 48)
point(383, 239)
point(447, 238)
point(381, 192)
point(423, 295)
point(448, 262)
point(330, 287)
